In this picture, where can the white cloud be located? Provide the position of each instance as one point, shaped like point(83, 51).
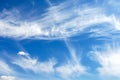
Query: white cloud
point(73, 67)
point(24, 30)
point(28, 63)
point(7, 78)
point(58, 22)
point(71, 70)
point(62, 21)
point(5, 68)
point(109, 59)
point(22, 53)
point(65, 70)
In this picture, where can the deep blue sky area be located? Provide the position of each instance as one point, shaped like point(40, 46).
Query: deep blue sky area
point(59, 40)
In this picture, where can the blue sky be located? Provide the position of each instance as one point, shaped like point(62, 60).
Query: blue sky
point(59, 40)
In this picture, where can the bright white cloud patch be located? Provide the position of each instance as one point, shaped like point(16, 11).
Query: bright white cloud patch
point(109, 59)
point(7, 78)
point(23, 53)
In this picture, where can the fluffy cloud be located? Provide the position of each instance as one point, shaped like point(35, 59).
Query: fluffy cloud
point(109, 59)
point(7, 78)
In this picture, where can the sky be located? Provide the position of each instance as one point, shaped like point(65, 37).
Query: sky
point(59, 40)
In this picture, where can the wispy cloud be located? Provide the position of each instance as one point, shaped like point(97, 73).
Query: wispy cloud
point(60, 21)
point(32, 64)
point(6, 71)
point(70, 70)
point(5, 68)
point(73, 68)
point(65, 70)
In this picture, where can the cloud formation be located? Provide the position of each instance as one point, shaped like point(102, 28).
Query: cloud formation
point(7, 78)
point(73, 67)
point(65, 70)
point(32, 64)
point(61, 22)
point(23, 64)
point(109, 59)
point(5, 68)
point(58, 22)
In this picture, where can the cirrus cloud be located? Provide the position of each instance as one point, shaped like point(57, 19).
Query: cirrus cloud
point(58, 22)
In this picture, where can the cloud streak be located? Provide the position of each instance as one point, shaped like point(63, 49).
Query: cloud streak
point(23, 64)
point(73, 68)
point(58, 22)
point(32, 64)
point(5, 68)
